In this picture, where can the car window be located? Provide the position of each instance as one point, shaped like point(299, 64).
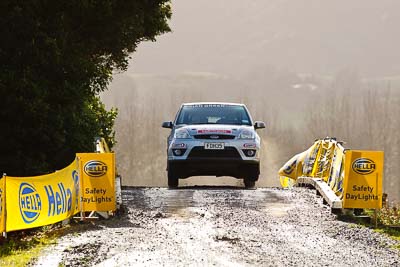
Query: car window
point(213, 114)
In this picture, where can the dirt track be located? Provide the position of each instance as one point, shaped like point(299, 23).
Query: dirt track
point(222, 226)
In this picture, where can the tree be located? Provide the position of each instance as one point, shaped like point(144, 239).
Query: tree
point(56, 56)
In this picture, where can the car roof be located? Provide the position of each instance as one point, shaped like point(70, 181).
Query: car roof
point(212, 103)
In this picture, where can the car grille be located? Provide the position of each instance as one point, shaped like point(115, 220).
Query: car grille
point(213, 136)
point(200, 152)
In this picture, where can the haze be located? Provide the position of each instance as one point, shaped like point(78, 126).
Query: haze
point(309, 69)
point(304, 36)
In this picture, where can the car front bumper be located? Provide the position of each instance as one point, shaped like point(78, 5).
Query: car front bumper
point(195, 160)
point(234, 168)
point(187, 146)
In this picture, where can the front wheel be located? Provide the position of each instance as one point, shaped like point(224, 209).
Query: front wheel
point(173, 181)
point(249, 182)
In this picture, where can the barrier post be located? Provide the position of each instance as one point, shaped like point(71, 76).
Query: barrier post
point(82, 214)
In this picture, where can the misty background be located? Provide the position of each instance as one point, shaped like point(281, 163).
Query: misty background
point(308, 68)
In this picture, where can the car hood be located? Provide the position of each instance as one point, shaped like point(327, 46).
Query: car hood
point(216, 129)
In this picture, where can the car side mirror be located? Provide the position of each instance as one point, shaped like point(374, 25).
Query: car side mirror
point(259, 125)
point(167, 124)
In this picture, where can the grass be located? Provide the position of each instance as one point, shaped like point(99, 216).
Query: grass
point(390, 215)
point(24, 247)
point(388, 221)
point(394, 233)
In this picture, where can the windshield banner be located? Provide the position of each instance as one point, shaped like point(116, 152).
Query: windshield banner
point(42, 200)
point(210, 105)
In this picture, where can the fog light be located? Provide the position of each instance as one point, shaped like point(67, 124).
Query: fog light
point(249, 152)
point(178, 152)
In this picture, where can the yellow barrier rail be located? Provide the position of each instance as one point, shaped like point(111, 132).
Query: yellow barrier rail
point(354, 176)
point(101, 145)
point(324, 159)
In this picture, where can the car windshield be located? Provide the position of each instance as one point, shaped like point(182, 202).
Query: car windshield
point(213, 114)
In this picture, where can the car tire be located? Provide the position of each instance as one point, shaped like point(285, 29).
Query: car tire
point(250, 182)
point(173, 181)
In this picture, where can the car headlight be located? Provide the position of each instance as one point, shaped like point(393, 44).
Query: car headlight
point(245, 134)
point(181, 134)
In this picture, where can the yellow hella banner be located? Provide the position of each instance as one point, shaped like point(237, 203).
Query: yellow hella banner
point(363, 179)
point(98, 181)
point(2, 206)
point(41, 200)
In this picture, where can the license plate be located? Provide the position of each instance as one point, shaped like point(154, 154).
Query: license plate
point(214, 146)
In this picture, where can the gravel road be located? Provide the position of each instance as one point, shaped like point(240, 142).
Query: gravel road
point(222, 226)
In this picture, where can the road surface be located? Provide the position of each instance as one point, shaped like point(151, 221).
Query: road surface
point(222, 226)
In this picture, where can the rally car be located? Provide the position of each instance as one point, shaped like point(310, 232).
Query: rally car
point(213, 139)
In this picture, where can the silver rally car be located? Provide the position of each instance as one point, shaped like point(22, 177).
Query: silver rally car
point(216, 139)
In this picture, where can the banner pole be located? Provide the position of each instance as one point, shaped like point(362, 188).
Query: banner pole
point(81, 188)
point(3, 204)
point(376, 208)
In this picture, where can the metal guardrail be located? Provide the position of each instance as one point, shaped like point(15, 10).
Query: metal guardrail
point(323, 189)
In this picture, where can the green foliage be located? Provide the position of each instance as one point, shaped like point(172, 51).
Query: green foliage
point(56, 56)
point(104, 120)
point(389, 216)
